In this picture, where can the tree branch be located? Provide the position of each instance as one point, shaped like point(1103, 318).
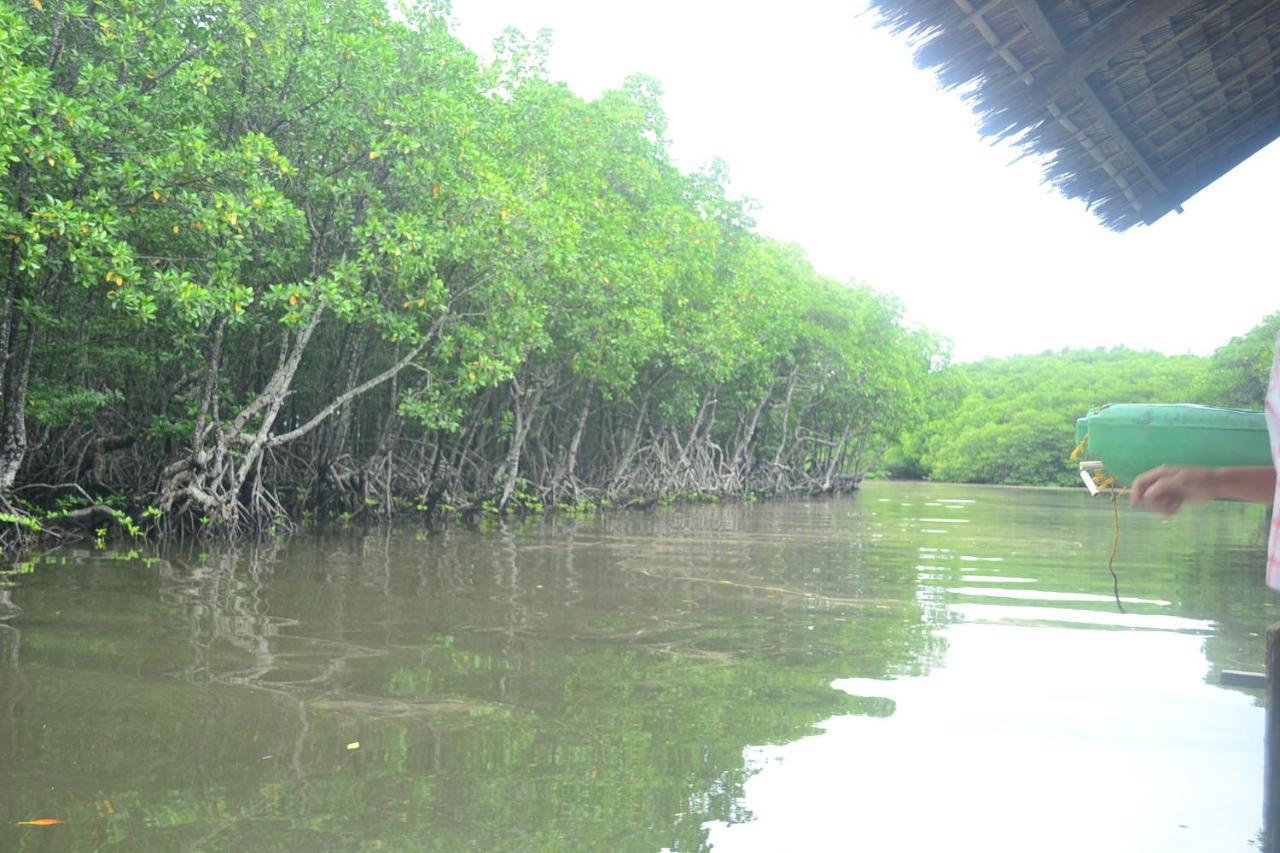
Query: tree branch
point(328, 410)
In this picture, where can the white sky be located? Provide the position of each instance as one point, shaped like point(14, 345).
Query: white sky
point(857, 156)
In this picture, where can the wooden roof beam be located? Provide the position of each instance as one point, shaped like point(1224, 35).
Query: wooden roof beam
point(973, 16)
point(1104, 117)
point(1052, 43)
point(1043, 30)
point(1097, 46)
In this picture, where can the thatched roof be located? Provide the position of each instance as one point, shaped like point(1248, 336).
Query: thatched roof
point(1138, 104)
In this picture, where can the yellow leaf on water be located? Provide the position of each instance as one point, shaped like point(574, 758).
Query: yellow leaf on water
point(41, 821)
point(355, 744)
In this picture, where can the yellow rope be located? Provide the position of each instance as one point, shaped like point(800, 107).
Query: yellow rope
point(1115, 544)
point(1107, 483)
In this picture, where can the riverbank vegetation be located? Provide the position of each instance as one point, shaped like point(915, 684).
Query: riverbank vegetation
point(271, 261)
point(1013, 420)
point(264, 263)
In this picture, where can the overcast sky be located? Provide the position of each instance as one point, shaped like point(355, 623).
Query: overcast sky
point(857, 156)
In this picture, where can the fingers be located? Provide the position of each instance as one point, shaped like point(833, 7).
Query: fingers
point(1165, 503)
point(1160, 489)
point(1144, 482)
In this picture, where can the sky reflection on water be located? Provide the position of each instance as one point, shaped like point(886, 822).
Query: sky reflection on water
point(1029, 738)
point(1054, 722)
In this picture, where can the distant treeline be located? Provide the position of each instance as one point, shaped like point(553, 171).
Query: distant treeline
point(1013, 420)
point(265, 261)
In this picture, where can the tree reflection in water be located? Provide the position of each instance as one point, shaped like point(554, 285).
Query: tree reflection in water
point(567, 684)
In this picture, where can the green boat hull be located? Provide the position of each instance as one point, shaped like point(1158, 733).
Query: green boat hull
point(1131, 438)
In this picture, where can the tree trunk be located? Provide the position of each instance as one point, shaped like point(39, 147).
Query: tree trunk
point(741, 452)
point(786, 416)
point(13, 433)
point(526, 403)
point(568, 468)
point(632, 444)
point(833, 464)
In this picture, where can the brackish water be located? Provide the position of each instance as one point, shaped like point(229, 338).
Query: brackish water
point(919, 667)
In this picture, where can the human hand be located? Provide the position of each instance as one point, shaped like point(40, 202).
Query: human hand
point(1170, 487)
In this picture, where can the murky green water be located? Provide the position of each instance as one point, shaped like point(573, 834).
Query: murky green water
point(920, 667)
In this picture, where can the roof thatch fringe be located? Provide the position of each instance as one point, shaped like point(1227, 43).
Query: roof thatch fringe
point(1134, 104)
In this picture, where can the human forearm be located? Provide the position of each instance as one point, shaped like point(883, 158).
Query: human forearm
point(1243, 484)
point(1167, 488)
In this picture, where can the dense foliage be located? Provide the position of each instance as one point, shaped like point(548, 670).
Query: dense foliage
point(1238, 372)
point(1013, 420)
point(265, 261)
point(271, 259)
